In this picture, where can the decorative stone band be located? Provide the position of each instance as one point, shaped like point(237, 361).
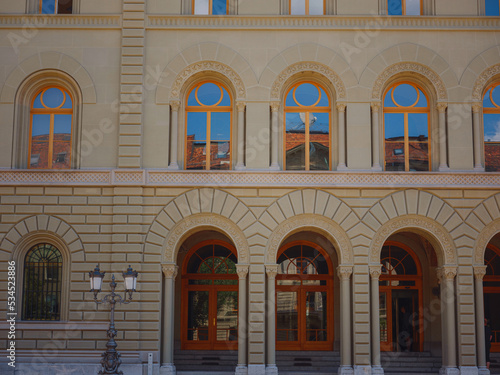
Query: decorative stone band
point(344, 272)
point(271, 271)
point(242, 271)
point(169, 270)
point(446, 272)
point(77, 21)
point(375, 271)
point(479, 272)
point(221, 179)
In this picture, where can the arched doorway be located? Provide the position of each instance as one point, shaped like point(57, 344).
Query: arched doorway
point(304, 298)
point(400, 299)
point(491, 288)
point(209, 312)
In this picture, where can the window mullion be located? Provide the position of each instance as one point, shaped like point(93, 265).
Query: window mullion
point(407, 146)
point(209, 137)
point(51, 140)
point(307, 159)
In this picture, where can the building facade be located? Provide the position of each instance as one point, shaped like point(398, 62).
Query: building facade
point(301, 185)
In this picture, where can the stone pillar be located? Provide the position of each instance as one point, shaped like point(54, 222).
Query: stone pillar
point(167, 362)
point(274, 136)
point(271, 271)
point(375, 137)
point(174, 125)
point(479, 272)
point(240, 165)
point(241, 368)
point(344, 273)
point(443, 155)
point(342, 166)
point(375, 272)
point(476, 123)
point(449, 337)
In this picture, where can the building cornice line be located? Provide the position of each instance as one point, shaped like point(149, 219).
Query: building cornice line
point(77, 21)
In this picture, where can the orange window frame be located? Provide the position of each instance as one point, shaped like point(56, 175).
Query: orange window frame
point(495, 345)
point(210, 7)
point(302, 343)
point(209, 110)
point(307, 110)
point(403, 5)
point(306, 6)
point(406, 111)
point(489, 110)
point(52, 112)
point(387, 289)
point(212, 343)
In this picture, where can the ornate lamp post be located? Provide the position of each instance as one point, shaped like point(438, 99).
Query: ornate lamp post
point(111, 358)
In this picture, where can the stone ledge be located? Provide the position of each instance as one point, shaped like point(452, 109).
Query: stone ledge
point(76, 21)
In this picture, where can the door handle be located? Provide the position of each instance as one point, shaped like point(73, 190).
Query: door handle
point(214, 321)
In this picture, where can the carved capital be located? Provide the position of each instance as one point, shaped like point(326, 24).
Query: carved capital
point(275, 106)
point(169, 270)
point(375, 271)
point(242, 271)
point(479, 272)
point(375, 107)
point(441, 107)
point(271, 271)
point(446, 273)
point(476, 107)
point(175, 105)
point(344, 272)
point(341, 107)
point(241, 106)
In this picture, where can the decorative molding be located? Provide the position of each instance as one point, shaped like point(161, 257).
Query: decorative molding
point(204, 66)
point(446, 273)
point(406, 67)
point(344, 272)
point(354, 23)
point(206, 220)
point(408, 222)
point(482, 81)
point(441, 107)
point(170, 270)
point(275, 106)
point(112, 21)
point(479, 272)
point(307, 66)
point(271, 271)
point(327, 227)
point(483, 239)
point(375, 271)
point(375, 106)
point(242, 271)
point(477, 107)
point(175, 105)
point(341, 107)
point(265, 178)
point(241, 106)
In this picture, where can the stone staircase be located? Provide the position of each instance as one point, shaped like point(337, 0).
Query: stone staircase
point(396, 363)
point(304, 363)
point(206, 361)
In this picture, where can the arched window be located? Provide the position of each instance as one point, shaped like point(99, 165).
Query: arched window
point(304, 298)
point(491, 285)
point(491, 118)
point(208, 127)
point(51, 129)
point(400, 299)
point(55, 6)
point(406, 127)
point(307, 128)
point(42, 283)
point(210, 297)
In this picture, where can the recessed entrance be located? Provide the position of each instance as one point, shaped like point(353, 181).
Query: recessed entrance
point(491, 285)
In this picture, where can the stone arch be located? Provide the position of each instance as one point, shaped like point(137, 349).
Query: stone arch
point(315, 223)
point(49, 60)
point(480, 71)
point(434, 232)
point(211, 56)
point(411, 58)
point(308, 57)
point(44, 225)
point(195, 210)
point(483, 239)
point(415, 209)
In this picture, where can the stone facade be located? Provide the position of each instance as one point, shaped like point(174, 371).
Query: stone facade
point(128, 200)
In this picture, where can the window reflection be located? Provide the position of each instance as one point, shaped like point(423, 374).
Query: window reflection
point(215, 7)
point(55, 6)
point(306, 7)
point(492, 7)
point(404, 7)
point(491, 122)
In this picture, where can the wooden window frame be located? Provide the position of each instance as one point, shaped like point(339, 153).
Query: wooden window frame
point(398, 109)
point(489, 110)
point(307, 8)
point(210, 8)
point(403, 10)
point(307, 110)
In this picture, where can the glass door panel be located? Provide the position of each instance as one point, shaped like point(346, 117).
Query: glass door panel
point(227, 316)
point(198, 316)
point(287, 322)
point(385, 321)
point(316, 316)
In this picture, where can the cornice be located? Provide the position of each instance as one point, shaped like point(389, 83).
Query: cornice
point(323, 22)
point(68, 21)
point(332, 179)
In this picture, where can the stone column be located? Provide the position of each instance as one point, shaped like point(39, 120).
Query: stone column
point(167, 363)
point(274, 136)
point(242, 270)
point(341, 141)
point(449, 338)
point(476, 123)
point(375, 137)
point(375, 272)
point(240, 165)
point(443, 158)
point(479, 272)
point(271, 271)
point(174, 125)
point(344, 273)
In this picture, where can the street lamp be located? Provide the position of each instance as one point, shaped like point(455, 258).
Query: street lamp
point(111, 358)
